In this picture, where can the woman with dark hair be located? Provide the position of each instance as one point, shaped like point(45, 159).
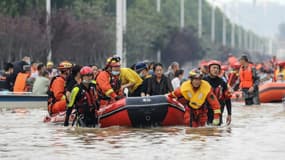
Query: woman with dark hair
point(158, 84)
point(73, 79)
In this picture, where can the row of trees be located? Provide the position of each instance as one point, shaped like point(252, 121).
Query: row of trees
point(83, 31)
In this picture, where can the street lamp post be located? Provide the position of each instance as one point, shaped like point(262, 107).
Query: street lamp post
point(119, 28)
point(213, 22)
point(200, 19)
point(182, 18)
point(233, 35)
point(224, 28)
point(48, 11)
point(158, 54)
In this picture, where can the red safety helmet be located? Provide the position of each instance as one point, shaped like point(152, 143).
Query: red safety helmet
point(203, 63)
point(214, 62)
point(195, 73)
point(224, 67)
point(281, 63)
point(236, 65)
point(64, 65)
point(86, 71)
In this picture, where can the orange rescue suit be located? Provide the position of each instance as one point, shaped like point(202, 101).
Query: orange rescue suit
point(108, 87)
point(57, 88)
point(246, 77)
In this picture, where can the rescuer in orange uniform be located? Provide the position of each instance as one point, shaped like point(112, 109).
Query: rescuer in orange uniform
point(194, 94)
point(108, 83)
point(56, 92)
point(249, 81)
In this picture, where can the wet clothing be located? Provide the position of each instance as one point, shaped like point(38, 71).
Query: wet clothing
point(84, 101)
point(220, 89)
point(108, 87)
point(159, 88)
point(56, 95)
point(249, 78)
point(195, 100)
point(128, 75)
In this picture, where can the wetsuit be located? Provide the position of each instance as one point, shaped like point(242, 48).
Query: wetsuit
point(220, 89)
point(84, 101)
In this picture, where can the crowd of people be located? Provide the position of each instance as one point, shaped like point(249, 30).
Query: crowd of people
point(205, 91)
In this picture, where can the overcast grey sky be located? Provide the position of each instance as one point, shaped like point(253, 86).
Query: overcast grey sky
point(261, 16)
point(251, 1)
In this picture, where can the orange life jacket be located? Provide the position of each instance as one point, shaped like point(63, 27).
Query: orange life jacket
point(20, 83)
point(246, 77)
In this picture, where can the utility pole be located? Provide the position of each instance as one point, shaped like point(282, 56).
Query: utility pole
point(270, 46)
point(119, 28)
point(245, 40)
point(158, 54)
point(240, 37)
point(158, 6)
point(240, 45)
point(124, 56)
point(182, 18)
point(200, 19)
point(213, 27)
point(250, 36)
point(233, 35)
point(48, 10)
point(224, 28)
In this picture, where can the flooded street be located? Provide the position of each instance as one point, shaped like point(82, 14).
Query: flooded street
point(255, 133)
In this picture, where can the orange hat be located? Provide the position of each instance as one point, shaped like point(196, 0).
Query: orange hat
point(64, 65)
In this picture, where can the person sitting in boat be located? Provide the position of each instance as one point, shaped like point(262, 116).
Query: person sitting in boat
point(194, 94)
point(249, 81)
point(84, 100)
point(51, 70)
point(174, 66)
point(108, 83)
point(41, 84)
point(8, 76)
point(221, 91)
point(158, 84)
point(176, 82)
point(22, 83)
point(143, 70)
point(56, 92)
